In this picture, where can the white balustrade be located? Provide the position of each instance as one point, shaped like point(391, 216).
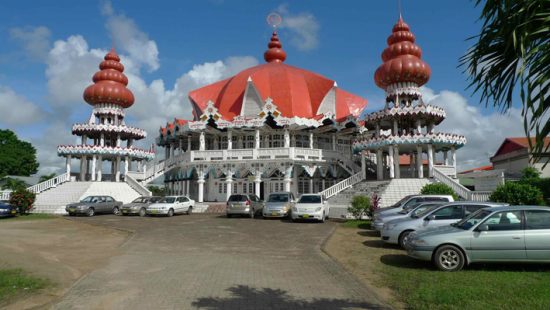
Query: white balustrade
point(342, 185)
point(40, 187)
point(447, 170)
point(5, 195)
point(459, 189)
point(142, 190)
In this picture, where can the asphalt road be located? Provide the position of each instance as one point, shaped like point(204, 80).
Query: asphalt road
point(212, 262)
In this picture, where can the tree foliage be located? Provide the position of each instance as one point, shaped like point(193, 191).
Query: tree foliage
point(46, 177)
point(438, 189)
point(16, 157)
point(511, 54)
point(360, 206)
point(14, 184)
point(517, 193)
point(156, 190)
point(23, 199)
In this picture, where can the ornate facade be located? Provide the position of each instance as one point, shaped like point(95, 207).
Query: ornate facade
point(272, 127)
point(106, 137)
point(406, 126)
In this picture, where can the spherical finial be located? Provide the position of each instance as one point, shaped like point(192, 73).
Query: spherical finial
point(274, 20)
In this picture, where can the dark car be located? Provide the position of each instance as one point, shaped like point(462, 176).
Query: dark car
point(139, 205)
point(92, 205)
point(7, 210)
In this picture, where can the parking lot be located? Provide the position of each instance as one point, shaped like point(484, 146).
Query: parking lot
point(211, 262)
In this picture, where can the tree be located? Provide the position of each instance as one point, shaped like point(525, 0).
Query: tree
point(512, 54)
point(517, 193)
point(360, 206)
point(14, 184)
point(46, 177)
point(23, 199)
point(16, 157)
point(156, 190)
point(438, 189)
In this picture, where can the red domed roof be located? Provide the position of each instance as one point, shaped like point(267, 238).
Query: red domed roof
point(402, 59)
point(294, 91)
point(110, 84)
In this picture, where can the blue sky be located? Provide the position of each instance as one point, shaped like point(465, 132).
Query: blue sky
point(187, 43)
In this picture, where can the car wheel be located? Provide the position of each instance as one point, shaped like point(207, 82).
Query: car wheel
point(170, 212)
point(90, 212)
point(142, 212)
point(404, 237)
point(116, 211)
point(449, 258)
point(190, 211)
point(228, 215)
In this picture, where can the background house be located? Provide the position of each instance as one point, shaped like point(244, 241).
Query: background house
point(514, 155)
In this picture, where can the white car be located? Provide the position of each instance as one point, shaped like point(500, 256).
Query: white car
point(417, 209)
point(397, 231)
point(310, 207)
point(171, 205)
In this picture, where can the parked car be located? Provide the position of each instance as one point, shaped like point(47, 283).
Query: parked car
point(415, 210)
point(310, 207)
point(7, 210)
point(396, 231)
point(139, 205)
point(410, 201)
point(279, 205)
point(93, 205)
point(501, 234)
point(244, 204)
point(171, 205)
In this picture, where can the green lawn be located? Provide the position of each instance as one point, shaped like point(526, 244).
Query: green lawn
point(361, 224)
point(15, 282)
point(30, 217)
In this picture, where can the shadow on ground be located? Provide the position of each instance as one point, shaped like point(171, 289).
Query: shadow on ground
point(369, 233)
point(244, 297)
point(379, 244)
point(403, 261)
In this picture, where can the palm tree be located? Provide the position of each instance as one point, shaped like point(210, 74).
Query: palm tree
point(46, 177)
point(511, 55)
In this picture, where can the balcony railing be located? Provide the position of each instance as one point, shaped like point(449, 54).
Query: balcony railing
point(294, 153)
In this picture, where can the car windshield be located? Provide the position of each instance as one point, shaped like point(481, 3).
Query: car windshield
point(154, 199)
point(423, 212)
point(237, 198)
point(400, 202)
point(422, 208)
point(472, 219)
point(88, 199)
point(140, 200)
point(278, 198)
point(310, 199)
point(168, 200)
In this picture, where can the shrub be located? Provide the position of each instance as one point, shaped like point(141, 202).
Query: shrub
point(360, 206)
point(516, 193)
point(375, 205)
point(438, 189)
point(156, 190)
point(543, 184)
point(529, 174)
point(23, 199)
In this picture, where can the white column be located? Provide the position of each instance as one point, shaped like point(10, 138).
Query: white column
point(363, 168)
point(453, 158)
point(311, 184)
point(187, 187)
point(200, 181)
point(229, 181)
point(257, 182)
point(411, 159)
point(334, 142)
point(287, 138)
point(92, 171)
point(118, 140)
point(240, 142)
point(99, 168)
point(396, 162)
point(117, 171)
point(379, 165)
point(395, 129)
point(377, 130)
point(171, 150)
point(418, 127)
point(126, 165)
point(323, 183)
point(288, 178)
point(202, 145)
point(430, 161)
point(83, 168)
point(68, 164)
point(445, 158)
point(311, 140)
point(229, 139)
point(188, 143)
point(102, 140)
point(257, 139)
point(390, 162)
point(419, 166)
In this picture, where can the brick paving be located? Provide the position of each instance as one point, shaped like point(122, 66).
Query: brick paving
point(212, 262)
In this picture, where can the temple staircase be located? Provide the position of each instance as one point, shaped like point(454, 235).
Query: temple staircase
point(399, 188)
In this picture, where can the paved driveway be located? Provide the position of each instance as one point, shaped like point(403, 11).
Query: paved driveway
point(211, 262)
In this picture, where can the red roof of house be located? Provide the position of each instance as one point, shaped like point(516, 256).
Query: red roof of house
point(516, 143)
point(482, 168)
point(294, 91)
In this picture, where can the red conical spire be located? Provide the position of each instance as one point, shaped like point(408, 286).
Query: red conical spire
point(110, 84)
point(402, 59)
point(275, 52)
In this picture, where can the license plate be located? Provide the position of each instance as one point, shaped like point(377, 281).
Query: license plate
point(305, 216)
point(72, 209)
point(13, 212)
point(274, 213)
point(124, 211)
point(154, 211)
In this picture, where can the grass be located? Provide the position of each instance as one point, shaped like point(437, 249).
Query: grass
point(30, 217)
point(15, 282)
point(361, 224)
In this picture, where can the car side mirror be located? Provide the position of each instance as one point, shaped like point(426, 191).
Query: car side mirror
point(429, 218)
point(483, 227)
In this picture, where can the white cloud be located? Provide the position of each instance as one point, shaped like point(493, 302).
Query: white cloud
point(484, 133)
point(128, 37)
point(16, 110)
point(35, 40)
point(303, 28)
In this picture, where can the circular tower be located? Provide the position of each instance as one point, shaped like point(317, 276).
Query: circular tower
point(402, 132)
point(105, 137)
